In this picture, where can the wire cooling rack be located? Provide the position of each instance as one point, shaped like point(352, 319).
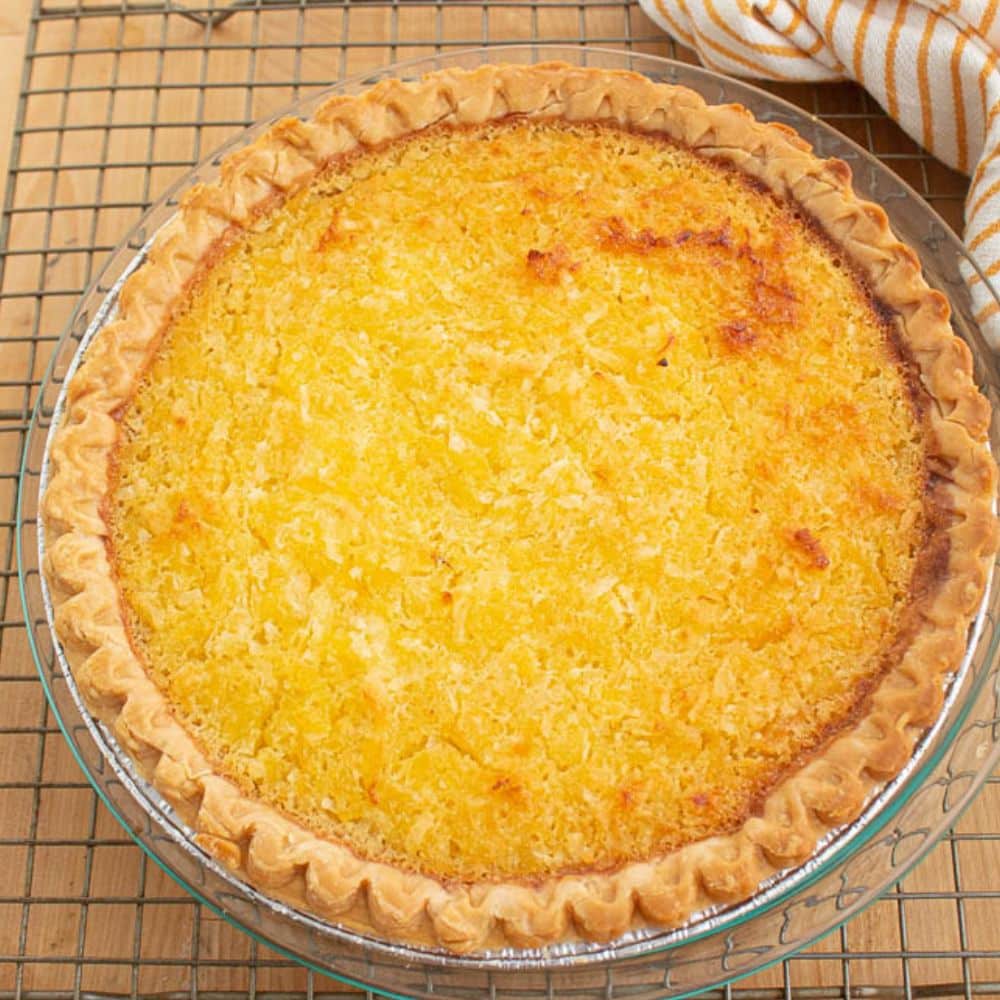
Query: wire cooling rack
point(117, 100)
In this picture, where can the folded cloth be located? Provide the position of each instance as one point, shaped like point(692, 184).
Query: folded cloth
point(932, 64)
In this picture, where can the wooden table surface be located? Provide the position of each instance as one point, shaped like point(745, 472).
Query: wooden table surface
point(86, 899)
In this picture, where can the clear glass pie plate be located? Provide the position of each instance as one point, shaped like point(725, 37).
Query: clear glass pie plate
point(852, 867)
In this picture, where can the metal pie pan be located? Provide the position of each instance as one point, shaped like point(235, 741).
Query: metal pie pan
point(164, 827)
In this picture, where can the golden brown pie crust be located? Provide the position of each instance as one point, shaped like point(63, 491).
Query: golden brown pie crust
point(326, 878)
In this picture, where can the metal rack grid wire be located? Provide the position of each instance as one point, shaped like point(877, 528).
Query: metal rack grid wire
point(117, 100)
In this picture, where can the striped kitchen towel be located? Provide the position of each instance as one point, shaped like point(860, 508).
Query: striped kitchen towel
point(932, 64)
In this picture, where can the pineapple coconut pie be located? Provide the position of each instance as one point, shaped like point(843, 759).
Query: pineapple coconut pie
point(520, 505)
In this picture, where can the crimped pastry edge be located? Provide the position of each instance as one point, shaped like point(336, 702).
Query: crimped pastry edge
point(328, 879)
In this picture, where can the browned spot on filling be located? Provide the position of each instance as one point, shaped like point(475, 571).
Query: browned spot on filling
point(507, 787)
point(548, 265)
point(628, 796)
point(534, 186)
point(721, 236)
point(773, 298)
point(810, 545)
point(331, 235)
point(661, 354)
point(881, 500)
point(765, 470)
point(775, 302)
point(738, 335)
point(185, 519)
point(613, 234)
point(772, 302)
point(439, 560)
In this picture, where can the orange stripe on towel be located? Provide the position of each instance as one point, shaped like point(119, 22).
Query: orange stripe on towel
point(861, 38)
point(923, 80)
point(890, 58)
point(961, 136)
point(984, 234)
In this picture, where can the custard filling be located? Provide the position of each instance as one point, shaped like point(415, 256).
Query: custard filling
point(519, 499)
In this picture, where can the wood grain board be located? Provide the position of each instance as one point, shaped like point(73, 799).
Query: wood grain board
point(141, 102)
point(13, 31)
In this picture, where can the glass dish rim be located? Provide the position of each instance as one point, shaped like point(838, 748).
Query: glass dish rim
point(788, 884)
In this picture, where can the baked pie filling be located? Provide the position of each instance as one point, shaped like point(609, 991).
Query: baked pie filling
point(520, 505)
point(520, 500)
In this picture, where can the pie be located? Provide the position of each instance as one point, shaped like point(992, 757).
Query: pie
point(520, 505)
